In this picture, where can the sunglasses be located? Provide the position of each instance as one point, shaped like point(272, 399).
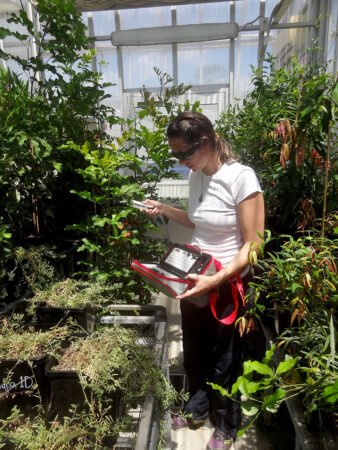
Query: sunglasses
point(188, 154)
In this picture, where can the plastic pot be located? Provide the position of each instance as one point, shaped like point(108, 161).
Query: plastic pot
point(51, 316)
point(23, 383)
point(66, 390)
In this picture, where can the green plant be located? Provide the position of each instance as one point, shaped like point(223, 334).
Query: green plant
point(5, 255)
point(300, 277)
point(78, 431)
point(298, 280)
point(253, 385)
point(263, 387)
point(33, 266)
point(75, 294)
point(116, 171)
point(18, 342)
point(114, 231)
point(115, 359)
point(283, 130)
point(150, 142)
point(59, 101)
point(314, 344)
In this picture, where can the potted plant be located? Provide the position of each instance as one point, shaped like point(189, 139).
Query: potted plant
point(24, 353)
point(80, 431)
point(106, 373)
point(77, 300)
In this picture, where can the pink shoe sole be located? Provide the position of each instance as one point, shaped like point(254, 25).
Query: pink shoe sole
point(193, 424)
point(220, 441)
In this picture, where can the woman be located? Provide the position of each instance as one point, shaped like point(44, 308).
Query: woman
point(226, 210)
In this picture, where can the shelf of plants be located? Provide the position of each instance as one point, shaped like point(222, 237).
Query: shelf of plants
point(108, 387)
point(148, 416)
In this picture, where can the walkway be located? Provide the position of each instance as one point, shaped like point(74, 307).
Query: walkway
point(186, 439)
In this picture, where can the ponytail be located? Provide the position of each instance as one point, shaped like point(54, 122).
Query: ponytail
point(224, 150)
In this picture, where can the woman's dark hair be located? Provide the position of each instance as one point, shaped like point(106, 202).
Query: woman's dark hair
point(192, 126)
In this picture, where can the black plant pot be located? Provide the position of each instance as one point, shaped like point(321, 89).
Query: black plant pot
point(51, 316)
point(67, 391)
point(6, 444)
point(23, 383)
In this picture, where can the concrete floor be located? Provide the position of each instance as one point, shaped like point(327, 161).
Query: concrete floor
point(186, 439)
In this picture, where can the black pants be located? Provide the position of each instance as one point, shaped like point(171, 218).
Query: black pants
point(212, 352)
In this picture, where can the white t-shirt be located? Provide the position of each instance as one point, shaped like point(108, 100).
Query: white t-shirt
point(217, 229)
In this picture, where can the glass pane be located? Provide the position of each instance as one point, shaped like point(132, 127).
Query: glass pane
point(269, 5)
point(138, 63)
point(104, 22)
point(246, 11)
point(208, 13)
point(297, 12)
point(107, 64)
point(246, 48)
point(145, 17)
point(203, 63)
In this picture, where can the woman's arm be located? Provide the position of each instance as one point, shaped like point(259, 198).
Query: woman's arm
point(251, 215)
point(177, 215)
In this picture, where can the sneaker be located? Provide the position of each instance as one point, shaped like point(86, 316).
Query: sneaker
point(220, 441)
point(193, 424)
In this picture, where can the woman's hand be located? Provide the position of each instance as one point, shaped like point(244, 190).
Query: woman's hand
point(202, 285)
point(158, 208)
point(177, 215)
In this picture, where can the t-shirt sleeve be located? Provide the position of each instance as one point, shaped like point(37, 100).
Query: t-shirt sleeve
point(245, 184)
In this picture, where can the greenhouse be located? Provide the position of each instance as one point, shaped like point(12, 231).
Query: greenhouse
point(168, 224)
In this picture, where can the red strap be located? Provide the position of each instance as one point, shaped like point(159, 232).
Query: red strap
point(236, 287)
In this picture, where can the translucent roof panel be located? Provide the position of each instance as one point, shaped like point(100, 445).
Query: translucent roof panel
point(297, 12)
point(145, 17)
point(246, 48)
point(104, 22)
point(107, 62)
point(203, 63)
point(138, 63)
point(269, 6)
point(246, 11)
point(199, 13)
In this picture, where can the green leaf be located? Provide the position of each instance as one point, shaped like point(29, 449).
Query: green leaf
point(57, 166)
point(263, 369)
point(285, 366)
point(269, 354)
point(330, 393)
point(249, 408)
point(99, 221)
point(235, 386)
point(335, 93)
point(220, 389)
point(271, 402)
point(332, 339)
